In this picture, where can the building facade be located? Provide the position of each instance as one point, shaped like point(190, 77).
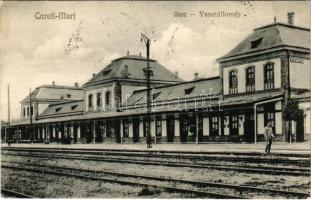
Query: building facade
point(257, 79)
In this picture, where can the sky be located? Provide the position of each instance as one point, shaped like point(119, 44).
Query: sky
point(38, 51)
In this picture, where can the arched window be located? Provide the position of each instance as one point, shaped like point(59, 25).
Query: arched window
point(233, 82)
point(107, 98)
point(250, 79)
point(90, 101)
point(99, 101)
point(269, 76)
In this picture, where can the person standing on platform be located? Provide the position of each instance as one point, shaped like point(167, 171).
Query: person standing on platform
point(268, 136)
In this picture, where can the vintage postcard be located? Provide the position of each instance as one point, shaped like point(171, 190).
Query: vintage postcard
point(155, 99)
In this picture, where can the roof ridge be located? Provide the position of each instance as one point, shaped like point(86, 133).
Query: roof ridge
point(59, 87)
point(283, 24)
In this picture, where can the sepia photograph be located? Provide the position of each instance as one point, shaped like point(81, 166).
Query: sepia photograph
point(155, 99)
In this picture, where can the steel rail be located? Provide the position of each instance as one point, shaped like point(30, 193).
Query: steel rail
point(122, 182)
point(304, 162)
point(194, 153)
point(170, 164)
point(224, 165)
point(238, 188)
point(12, 193)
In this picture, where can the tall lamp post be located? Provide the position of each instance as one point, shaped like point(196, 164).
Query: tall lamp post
point(148, 72)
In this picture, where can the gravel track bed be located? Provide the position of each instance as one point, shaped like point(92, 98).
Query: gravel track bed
point(298, 184)
point(175, 160)
point(50, 186)
point(248, 194)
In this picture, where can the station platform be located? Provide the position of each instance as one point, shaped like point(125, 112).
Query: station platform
point(293, 148)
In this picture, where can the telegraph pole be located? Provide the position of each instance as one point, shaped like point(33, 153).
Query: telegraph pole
point(30, 116)
point(148, 72)
point(9, 117)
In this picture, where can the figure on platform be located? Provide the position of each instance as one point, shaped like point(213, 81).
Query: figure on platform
point(269, 136)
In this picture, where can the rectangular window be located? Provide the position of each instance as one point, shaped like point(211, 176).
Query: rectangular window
point(90, 101)
point(24, 111)
point(99, 100)
point(107, 98)
point(27, 111)
point(125, 129)
point(214, 126)
point(31, 110)
point(158, 126)
point(250, 79)
point(269, 76)
point(233, 82)
point(234, 125)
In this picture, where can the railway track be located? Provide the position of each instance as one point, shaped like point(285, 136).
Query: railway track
point(181, 190)
point(234, 188)
point(150, 151)
point(239, 168)
point(234, 157)
point(12, 193)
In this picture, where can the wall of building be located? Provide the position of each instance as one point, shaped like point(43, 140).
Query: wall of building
point(305, 106)
point(259, 75)
point(103, 89)
point(300, 73)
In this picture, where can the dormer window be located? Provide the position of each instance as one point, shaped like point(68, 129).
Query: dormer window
point(189, 90)
point(74, 107)
point(256, 43)
point(58, 109)
point(233, 82)
point(125, 71)
point(68, 96)
point(155, 95)
point(106, 72)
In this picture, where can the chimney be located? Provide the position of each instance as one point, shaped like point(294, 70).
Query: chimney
point(290, 18)
point(76, 84)
point(274, 19)
point(94, 75)
point(53, 82)
point(196, 76)
point(176, 74)
point(128, 53)
point(139, 53)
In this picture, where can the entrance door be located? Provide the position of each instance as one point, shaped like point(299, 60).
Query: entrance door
point(183, 128)
point(249, 127)
point(234, 125)
point(117, 125)
point(300, 130)
point(136, 130)
point(170, 128)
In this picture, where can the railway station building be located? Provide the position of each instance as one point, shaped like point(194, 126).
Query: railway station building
point(256, 80)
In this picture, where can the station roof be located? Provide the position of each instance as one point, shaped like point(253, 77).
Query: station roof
point(60, 109)
point(55, 93)
point(272, 36)
point(202, 87)
point(131, 67)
